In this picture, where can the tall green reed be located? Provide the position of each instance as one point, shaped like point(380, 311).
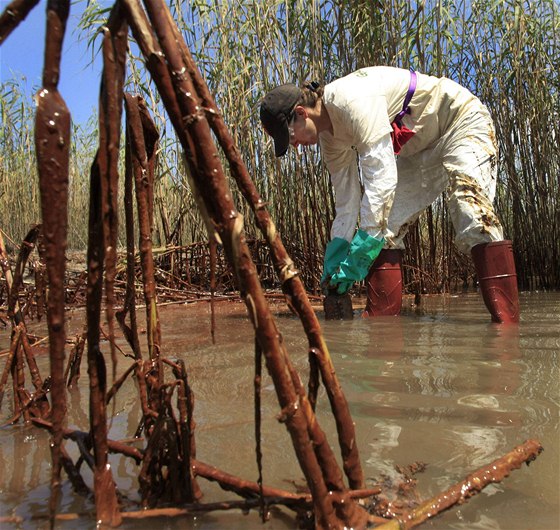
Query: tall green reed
point(506, 52)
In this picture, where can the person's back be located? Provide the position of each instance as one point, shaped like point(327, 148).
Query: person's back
point(363, 104)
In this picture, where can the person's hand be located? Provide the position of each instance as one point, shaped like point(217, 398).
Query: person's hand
point(363, 251)
point(336, 251)
point(328, 287)
point(339, 286)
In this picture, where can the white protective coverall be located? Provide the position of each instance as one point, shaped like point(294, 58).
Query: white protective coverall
point(453, 149)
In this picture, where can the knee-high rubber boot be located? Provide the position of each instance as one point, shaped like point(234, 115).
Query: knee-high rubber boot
point(384, 285)
point(495, 269)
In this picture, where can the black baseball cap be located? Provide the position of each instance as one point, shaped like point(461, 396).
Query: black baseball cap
point(277, 108)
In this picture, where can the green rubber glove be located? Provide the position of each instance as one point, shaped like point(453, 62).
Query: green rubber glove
point(354, 268)
point(335, 252)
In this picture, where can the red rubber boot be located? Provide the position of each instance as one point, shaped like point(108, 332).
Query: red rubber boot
point(384, 285)
point(495, 269)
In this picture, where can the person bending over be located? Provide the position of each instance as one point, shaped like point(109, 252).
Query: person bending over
point(404, 138)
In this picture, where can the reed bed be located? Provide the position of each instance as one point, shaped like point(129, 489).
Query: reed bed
point(506, 52)
point(298, 195)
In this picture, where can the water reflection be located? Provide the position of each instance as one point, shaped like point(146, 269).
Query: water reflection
point(455, 391)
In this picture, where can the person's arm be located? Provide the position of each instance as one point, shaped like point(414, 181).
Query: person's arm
point(379, 174)
point(347, 193)
point(365, 120)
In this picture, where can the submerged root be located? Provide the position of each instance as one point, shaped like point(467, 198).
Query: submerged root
point(462, 491)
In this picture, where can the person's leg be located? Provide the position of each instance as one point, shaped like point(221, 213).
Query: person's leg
point(420, 183)
point(421, 180)
point(470, 159)
point(384, 284)
point(495, 268)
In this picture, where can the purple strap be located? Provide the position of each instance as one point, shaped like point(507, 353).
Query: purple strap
point(408, 97)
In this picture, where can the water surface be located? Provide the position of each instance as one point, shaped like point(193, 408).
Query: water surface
point(440, 384)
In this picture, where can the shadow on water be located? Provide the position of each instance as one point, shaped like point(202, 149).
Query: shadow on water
point(440, 385)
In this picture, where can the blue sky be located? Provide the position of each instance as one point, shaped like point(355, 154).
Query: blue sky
point(22, 53)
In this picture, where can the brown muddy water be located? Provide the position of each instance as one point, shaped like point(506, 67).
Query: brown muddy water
point(440, 384)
